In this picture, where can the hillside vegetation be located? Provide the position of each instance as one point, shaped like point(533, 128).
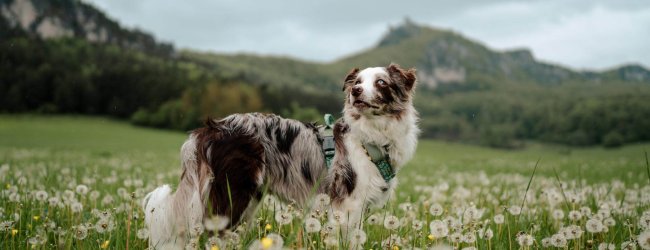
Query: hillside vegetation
point(467, 91)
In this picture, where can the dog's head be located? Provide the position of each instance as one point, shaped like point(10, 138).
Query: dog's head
point(379, 91)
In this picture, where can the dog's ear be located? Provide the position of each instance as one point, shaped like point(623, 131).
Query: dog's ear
point(408, 77)
point(350, 78)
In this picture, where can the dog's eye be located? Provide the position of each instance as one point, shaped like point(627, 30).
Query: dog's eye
point(357, 82)
point(381, 82)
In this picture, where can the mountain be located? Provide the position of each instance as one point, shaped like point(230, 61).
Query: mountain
point(65, 56)
point(73, 18)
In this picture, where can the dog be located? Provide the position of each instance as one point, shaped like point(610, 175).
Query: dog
point(231, 162)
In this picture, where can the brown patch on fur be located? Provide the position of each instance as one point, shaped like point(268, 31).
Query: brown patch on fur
point(235, 160)
point(350, 78)
point(344, 179)
point(405, 77)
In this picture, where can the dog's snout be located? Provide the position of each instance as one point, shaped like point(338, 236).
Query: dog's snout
point(356, 91)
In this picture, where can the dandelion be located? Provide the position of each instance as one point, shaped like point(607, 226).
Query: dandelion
point(143, 233)
point(469, 237)
point(216, 223)
point(644, 240)
point(406, 207)
point(104, 225)
point(628, 245)
point(558, 214)
point(358, 237)
point(594, 226)
point(82, 189)
point(374, 219)
point(312, 225)
point(436, 209)
point(38, 239)
point(196, 230)
point(606, 246)
point(573, 232)
point(268, 227)
point(455, 237)
point(80, 232)
point(547, 242)
point(438, 229)
point(525, 240)
point(76, 207)
point(391, 222)
point(499, 219)
point(41, 195)
point(331, 241)
point(644, 221)
point(610, 222)
point(192, 244)
point(321, 200)
point(575, 215)
point(6, 225)
point(417, 225)
point(338, 218)
point(558, 240)
point(514, 210)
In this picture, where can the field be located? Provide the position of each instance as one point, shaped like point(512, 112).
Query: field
point(76, 183)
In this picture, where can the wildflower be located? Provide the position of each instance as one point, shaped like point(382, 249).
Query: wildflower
point(547, 242)
point(268, 227)
point(514, 210)
point(438, 229)
point(40, 195)
point(143, 233)
point(610, 222)
point(338, 218)
point(586, 211)
point(391, 222)
point(102, 215)
point(358, 237)
point(455, 237)
point(104, 225)
point(436, 209)
point(196, 230)
point(558, 240)
point(76, 207)
point(82, 189)
point(374, 219)
point(216, 223)
point(488, 234)
point(628, 245)
point(525, 240)
point(14, 232)
point(644, 221)
point(575, 215)
point(6, 225)
point(406, 206)
point(38, 239)
point(594, 226)
point(80, 232)
point(36, 217)
point(192, 244)
point(644, 240)
point(606, 246)
point(54, 201)
point(469, 237)
point(558, 214)
point(321, 200)
point(417, 225)
point(94, 195)
point(499, 219)
point(573, 232)
point(312, 225)
point(331, 241)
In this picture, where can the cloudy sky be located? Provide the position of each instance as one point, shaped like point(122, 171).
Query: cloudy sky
point(581, 34)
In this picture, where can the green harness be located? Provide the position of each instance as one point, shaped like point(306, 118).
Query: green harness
point(374, 153)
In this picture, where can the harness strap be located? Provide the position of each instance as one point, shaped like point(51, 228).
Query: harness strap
point(381, 160)
point(328, 140)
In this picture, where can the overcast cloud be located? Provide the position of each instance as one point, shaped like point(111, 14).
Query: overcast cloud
point(581, 34)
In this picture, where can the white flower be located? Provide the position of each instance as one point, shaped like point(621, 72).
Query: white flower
point(312, 225)
point(606, 246)
point(488, 234)
point(391, 222)
point(469, 237)
point(573, 232)
point(216, 223)
point(547, 242)
point(644, 240)
point(406, 206)
point(525, 240)
point(374, 219)
point(143, 233)
point(628, 245)
point(436, 209)
point(455, 237)
point(283, 217)
point(358, 237)
point(5, 226)
point(37, 240)
point(558, 214)
point(575, 215)
point(40, 195)
point(438, 228)
point(80, 232)
point(594, 226)
point(82, 189)
point(499, 219)
point(104, 225)
point(338, 218)
point(610, 222)
point(321, 200)
point(76, 207)
point(417, 225)
point(644, 221)
point(514, 210)
point(558, 240)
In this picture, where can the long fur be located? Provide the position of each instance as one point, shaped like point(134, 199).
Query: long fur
point(228, 162)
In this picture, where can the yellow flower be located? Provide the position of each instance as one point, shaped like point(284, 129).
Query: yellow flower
point(14, 232)
point(8, 186)
point(105, 244)
point(267, 242)
point(431, 237)
point(36, 217)
point(395, 248)
point(214, 248)
point(268, 227)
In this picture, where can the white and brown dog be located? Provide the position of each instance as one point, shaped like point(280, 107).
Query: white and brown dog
point(230, 162)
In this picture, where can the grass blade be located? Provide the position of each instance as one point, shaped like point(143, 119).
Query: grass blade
point(647, 165)
point(523, 202)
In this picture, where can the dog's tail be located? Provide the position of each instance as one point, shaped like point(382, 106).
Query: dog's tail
point(174, 218)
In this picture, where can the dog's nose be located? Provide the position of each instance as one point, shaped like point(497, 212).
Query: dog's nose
point(356, 91)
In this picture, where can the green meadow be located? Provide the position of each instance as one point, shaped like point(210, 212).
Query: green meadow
point(59, 174)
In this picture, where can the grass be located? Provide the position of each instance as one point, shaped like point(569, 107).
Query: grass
point(118, 163)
